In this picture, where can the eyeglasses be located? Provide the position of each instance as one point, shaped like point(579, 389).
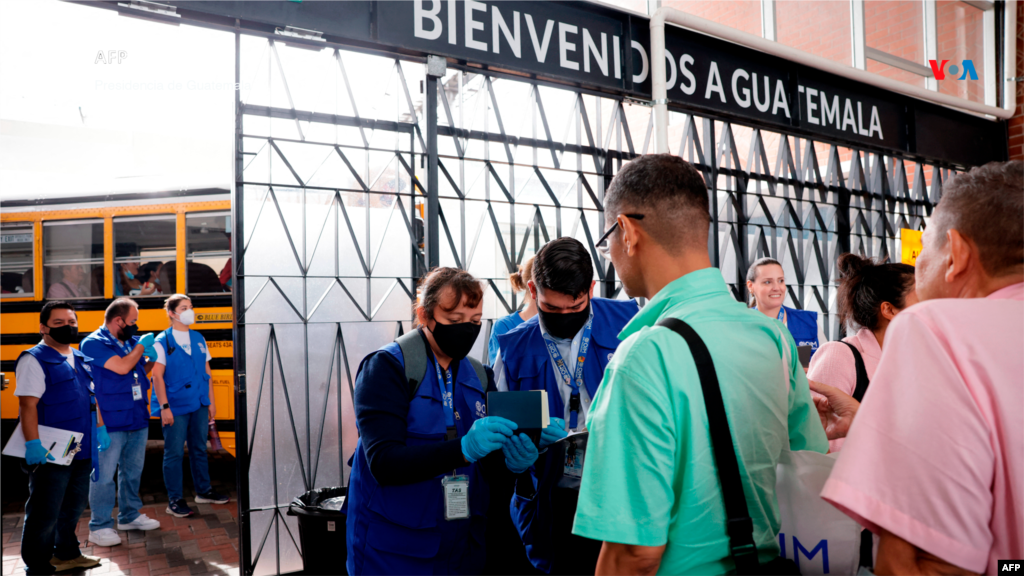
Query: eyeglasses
point(602, 244)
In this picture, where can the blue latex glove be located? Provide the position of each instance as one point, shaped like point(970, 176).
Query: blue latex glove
point(520, 453)
point(147, 341)
point(150, 351)
point(553, 433)
point(485, 436)
point(35, 453)
point(103, 438)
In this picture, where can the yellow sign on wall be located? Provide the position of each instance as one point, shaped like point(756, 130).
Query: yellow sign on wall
point(911, 242)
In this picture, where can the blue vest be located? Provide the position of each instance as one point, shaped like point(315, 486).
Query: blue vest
point(401, 529)
point(66, 404)
point(114, 391)
point(185, 379)
point(803, 325)
point(528, 367)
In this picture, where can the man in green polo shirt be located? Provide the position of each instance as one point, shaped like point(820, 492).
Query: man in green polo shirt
point(650, 489)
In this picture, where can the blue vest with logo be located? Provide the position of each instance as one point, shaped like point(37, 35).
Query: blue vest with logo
point(121, 412)
point(67, 402)
point(803, 325)
point(528, 367)
point(185, 379)
point(402, 529)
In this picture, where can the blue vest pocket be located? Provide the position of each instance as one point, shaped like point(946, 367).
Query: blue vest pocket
point(393, 549)
point(116, 418)
point(415, 506)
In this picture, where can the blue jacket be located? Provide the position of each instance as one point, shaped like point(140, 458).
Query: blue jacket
point(67, 402)
point(114, 391)
point(395, 522)
point(528, 367)
point(803, 325)
point(185, 379)
point(501, 326)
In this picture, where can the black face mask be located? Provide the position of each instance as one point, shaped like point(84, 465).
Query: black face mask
point(65, 334)
point(564, 325)
point(456, 340)
point(127, 332)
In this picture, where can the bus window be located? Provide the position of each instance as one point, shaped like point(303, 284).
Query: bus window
point(209, 252)
point(73, 259)
point(144, 249)
point(16, 254)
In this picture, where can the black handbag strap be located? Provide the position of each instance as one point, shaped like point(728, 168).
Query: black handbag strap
point(862, 373)
point(739, 525)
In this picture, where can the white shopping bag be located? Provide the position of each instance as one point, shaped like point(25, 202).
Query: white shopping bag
point(815, 535)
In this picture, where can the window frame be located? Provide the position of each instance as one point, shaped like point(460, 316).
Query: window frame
point(43, 264)
point(187, 254)
point(36, 257)
point(159, 216)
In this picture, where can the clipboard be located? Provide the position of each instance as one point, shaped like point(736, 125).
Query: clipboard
point(66, 444)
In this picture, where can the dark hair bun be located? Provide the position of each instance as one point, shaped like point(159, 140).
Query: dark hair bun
point(864, 286)
point(852, 265)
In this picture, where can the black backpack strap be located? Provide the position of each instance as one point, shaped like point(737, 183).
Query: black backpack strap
point(414, 355)
point(479, 369)
point(169, 340)
point(739, 525)
point(862, 373)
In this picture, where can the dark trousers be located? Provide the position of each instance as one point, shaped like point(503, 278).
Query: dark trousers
point(57, 496)
point(574, 555)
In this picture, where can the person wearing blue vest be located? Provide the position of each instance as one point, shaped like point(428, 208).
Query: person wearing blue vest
point(519, 281)
point(182, 398)
point(119, 364)
point(563, 350)
point(54, 389)
point(766, 281)
point(418, 495)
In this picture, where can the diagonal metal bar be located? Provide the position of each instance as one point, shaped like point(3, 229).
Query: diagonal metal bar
point(504, 190)
point(582, 106)
point(590, 191)
point(539, 218)
point(598, 265)
point(412, 175)
point(353, 299)
point(352, 169)
point(351, 98)
point(501, 298)
point(451, 180)
point(352, 233)
point(547, 129)
point(286, 299)
point(291, 416)
point(384, 236)
point(501, 239)
point(286, 162)
point(497, 116)
point(408, 100)
point(319, 236)
point(259, 396)
point(383, 299)
point(443, 96)
point(448, 235)
point(284, 82)
point(284, 224)
point(259, 551)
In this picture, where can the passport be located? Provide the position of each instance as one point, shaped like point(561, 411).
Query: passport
point(527, 408)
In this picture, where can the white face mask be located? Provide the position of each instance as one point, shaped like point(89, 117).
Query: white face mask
point(188, 317)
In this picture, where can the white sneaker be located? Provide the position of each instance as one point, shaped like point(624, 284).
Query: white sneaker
point(143, 522)
point(105, 537)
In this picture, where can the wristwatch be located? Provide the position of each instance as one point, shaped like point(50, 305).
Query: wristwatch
point(165, 406)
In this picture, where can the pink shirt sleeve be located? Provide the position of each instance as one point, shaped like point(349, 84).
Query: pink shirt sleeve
point(833, 364)
point(918, 461)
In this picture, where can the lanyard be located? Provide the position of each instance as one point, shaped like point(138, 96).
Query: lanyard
point(574, 382)
point(447, 399)
point(782, 315)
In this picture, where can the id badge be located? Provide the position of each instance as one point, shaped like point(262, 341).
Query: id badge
point(456, 497)
point(136, 388)
point(574, 455)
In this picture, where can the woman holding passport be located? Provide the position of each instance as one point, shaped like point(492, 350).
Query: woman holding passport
point(417, 497)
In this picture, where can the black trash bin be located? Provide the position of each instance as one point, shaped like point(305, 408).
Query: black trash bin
point(321, 531)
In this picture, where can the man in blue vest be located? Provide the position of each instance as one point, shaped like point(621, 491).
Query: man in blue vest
point(54, 389)
point(117, 356)
point(181, 380)
point(563, 350)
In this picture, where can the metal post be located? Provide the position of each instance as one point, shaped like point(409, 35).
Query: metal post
point(436, 67)
point(238, 334)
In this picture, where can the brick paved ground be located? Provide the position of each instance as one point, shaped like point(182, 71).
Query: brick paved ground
point(206, 543)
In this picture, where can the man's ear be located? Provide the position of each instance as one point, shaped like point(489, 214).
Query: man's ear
point(532, 288)
point(592, 284)
point(961, 252)
point(630, 233)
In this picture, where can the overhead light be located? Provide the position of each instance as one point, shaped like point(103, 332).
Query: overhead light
point(151, 11)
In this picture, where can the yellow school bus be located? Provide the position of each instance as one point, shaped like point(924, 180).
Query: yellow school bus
point(90, 250)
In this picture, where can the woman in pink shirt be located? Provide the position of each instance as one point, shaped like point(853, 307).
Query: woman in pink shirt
point(870, 296)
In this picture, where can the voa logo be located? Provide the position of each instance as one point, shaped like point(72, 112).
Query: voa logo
point(966, 67)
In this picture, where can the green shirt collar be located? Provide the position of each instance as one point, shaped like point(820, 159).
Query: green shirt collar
point(689, 287)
